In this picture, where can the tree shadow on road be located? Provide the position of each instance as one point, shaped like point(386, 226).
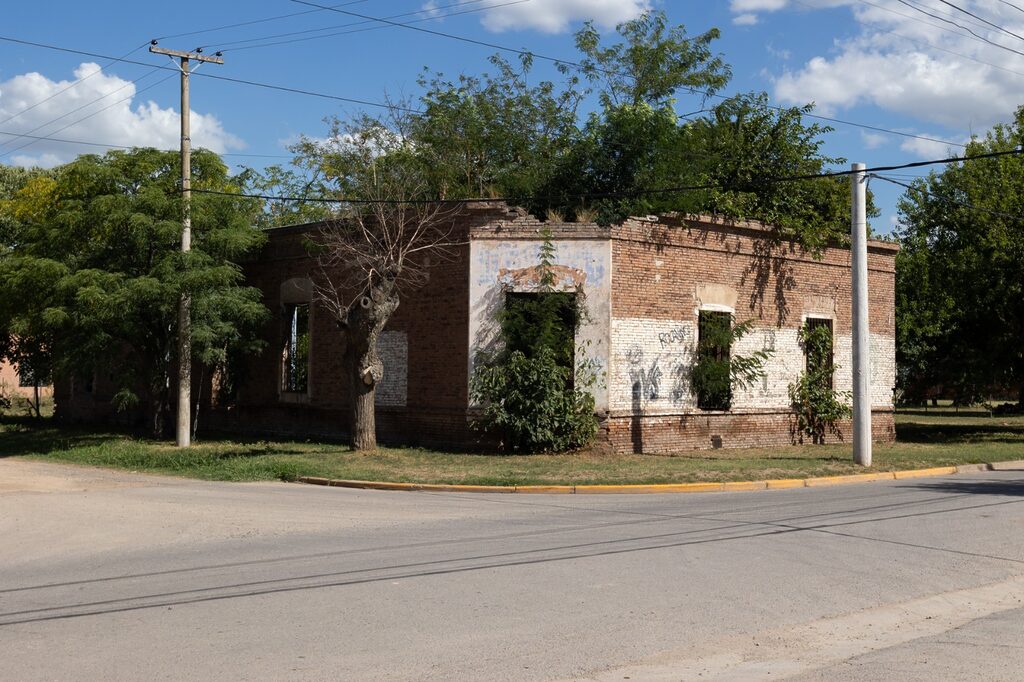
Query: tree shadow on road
point(1013, 488)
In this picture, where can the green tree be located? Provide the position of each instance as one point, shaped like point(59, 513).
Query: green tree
point(503, 134)
point(94, 275)
point(960, 274)
point(488, 134)
point(301, 185)
point(819, 407)
point(744, 144)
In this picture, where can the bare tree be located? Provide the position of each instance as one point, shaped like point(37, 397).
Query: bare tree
point(380, 246)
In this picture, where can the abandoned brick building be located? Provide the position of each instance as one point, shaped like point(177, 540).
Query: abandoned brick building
point(646, 285)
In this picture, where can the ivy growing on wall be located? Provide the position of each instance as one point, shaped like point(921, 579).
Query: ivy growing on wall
point(819, 407)
point(534, 392)
point(718, 369)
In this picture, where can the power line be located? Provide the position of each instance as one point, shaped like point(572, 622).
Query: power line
point(111, 145)
point(452, 36)
point(580, 66)
point(960, 26)
point(229, 45)
point(252, 22)
point(949, 200)
point(1010, 4)
point(982, 19)
point(952, 52)
point(924, 42)
point(257, 84)
point(630, 193)
point(71, 85)
point(352, 100)
point(915, 20)
point(98, 111)
point(90, 103)
point(370, 28)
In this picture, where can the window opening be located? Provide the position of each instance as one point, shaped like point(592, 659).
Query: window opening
point(819, 354)
point(295, 374)
point(547, 319)
point(714, 340)
point(26, 377)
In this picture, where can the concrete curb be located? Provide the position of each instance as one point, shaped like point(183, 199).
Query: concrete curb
point(729, 486)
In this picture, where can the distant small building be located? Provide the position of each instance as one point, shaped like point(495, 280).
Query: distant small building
point(647, 284)
point(12, 383)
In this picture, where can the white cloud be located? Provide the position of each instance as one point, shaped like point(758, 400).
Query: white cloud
point(906, 63)
point(127, 122)
point(873, 140)
point(745, 19)
point(555, 16)
point(748, 6)
point(927, 149)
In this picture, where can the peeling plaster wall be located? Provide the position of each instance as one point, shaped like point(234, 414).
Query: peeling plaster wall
point(883, 368)
point(393, 348)
point(651, 361)
point(497, 266)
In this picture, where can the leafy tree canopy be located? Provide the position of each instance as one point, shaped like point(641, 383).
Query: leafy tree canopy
point(92, 275)
point(503, 133)
point(960, 274)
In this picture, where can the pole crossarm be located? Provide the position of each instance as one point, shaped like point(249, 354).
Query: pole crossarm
point(191, 56)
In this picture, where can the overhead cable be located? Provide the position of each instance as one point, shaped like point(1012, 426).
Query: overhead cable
point(629, 193)
point(213, 76)
point(253, 21)
point(433, 12)
point(352, 100)
point(567, 62)
point(963, 204)
point(110, 145)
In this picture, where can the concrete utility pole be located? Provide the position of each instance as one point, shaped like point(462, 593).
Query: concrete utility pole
point(183, 429)
point(861, 337)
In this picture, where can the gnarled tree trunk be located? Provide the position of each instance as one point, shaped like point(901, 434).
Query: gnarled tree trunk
point(366, 320)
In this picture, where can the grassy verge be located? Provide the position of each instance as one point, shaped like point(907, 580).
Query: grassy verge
point(927, 439)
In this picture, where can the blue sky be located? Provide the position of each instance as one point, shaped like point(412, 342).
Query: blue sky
point(876, 62)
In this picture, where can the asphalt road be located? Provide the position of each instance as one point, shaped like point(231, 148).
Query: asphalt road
point(116, 576)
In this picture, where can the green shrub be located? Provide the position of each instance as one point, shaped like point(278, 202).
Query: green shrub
point(535, 402)
point(533, 391)
point(818, 406)
point(5, 399)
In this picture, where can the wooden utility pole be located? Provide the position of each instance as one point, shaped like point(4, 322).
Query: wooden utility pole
point(183, 428)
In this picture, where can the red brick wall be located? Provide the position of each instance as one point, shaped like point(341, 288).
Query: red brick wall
point(434, 318)
point(772, 280)
point(669, 434)
point(657, 267)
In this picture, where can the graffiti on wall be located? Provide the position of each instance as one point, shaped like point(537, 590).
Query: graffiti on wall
point(654, 368)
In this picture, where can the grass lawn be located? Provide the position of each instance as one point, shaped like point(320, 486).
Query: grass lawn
point(936, 437)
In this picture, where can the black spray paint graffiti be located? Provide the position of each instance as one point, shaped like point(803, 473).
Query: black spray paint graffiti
point(677, 336)
point(646, 381)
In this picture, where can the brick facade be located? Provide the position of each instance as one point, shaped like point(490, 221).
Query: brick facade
point(668, 269)
point(644, 282)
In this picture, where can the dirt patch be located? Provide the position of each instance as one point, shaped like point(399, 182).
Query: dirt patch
point(21, 476)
